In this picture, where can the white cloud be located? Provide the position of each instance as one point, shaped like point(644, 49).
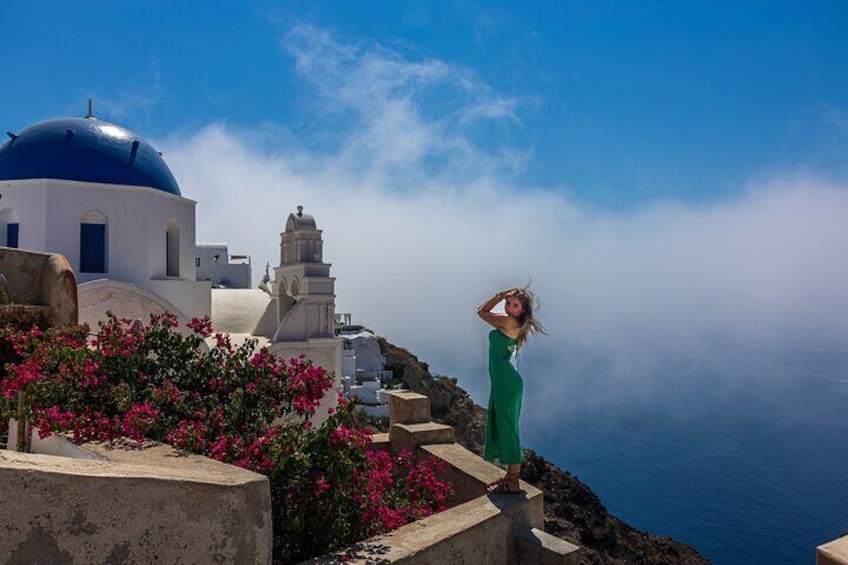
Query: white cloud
point(396, 120)
point(421, 224)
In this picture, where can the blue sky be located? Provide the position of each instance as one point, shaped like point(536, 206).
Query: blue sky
point(670, 175)
point(615, 103)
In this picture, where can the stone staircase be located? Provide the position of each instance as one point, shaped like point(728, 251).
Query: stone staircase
point(496, 528)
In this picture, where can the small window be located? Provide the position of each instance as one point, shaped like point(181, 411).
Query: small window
point(12, 235)
point(9, 228)
point(172, 249)
point(92, 248)
point(94, 242)
point(197, 261)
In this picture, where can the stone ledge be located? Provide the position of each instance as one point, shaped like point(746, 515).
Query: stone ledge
point(536, 547)
point(410, 436)
point(833, 553)
point(470, 474)
point(478, 531)
point(56, 453)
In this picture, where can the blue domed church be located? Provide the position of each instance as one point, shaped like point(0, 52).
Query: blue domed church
point(103, 197)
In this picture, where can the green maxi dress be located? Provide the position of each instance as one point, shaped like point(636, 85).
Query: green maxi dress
point(502, 440)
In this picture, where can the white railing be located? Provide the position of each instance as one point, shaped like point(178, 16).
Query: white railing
point(343, 318)
point(382, 376)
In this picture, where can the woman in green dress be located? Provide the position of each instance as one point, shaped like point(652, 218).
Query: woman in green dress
point(511, 331)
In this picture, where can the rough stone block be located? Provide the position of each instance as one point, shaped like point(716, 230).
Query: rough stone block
point(410, 436)
point(44, 279)
point(408, 408)
point(131, 506)
point(536, 547)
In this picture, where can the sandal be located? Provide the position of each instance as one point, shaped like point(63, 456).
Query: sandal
point(508, 484)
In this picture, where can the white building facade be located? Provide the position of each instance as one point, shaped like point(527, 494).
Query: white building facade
point(214, 263)
point(103, 197)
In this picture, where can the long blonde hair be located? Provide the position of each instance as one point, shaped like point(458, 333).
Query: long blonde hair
point(529, 324)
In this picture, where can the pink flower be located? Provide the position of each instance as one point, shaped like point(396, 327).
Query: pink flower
point(138, 421)
point(321, 486)
point(201, 326)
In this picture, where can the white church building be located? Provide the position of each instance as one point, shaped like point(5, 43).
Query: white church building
point(105, 198)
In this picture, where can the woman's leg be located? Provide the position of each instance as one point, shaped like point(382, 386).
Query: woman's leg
point(513, 474)
point(509, 483)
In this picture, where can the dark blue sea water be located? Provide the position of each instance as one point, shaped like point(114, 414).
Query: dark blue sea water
point(753, 470)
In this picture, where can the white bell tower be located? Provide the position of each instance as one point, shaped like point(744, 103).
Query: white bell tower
point(302, 284)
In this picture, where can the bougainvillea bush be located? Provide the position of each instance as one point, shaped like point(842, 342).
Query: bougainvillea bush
point(237, 404)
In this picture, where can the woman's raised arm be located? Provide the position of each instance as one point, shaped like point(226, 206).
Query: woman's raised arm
point(485, 311)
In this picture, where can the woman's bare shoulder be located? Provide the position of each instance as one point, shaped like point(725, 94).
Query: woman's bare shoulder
point(512, 334)
point(510, 328)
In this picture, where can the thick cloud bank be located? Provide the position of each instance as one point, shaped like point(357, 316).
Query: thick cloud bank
point(423, 218)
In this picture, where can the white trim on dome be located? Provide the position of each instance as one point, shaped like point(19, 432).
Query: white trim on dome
point(40, 182)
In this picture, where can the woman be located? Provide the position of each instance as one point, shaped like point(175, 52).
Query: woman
point(510, 333)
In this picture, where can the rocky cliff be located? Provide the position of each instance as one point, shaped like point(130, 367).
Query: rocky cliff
point(572, 511)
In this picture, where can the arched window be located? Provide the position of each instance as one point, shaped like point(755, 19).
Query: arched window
point(94, 240)
point(9, 228)
point(172, 249)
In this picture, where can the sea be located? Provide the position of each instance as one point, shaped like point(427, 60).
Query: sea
point(746, 460)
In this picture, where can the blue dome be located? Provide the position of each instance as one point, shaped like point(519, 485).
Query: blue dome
point(85, 149)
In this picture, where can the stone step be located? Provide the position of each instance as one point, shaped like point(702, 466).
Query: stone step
point(408, 408)
point(379, 442)
point(536, 547)
point(410, 436)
